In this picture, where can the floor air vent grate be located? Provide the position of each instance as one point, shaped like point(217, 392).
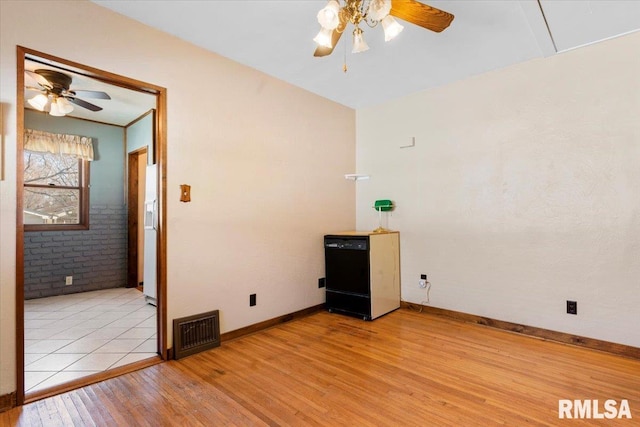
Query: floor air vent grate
point(196, 333)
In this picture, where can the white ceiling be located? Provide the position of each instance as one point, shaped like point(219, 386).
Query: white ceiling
point(276, 38)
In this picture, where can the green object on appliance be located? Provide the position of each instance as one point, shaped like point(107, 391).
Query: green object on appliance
point(383, 205)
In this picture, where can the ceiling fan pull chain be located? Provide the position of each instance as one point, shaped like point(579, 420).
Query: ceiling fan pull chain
point(344, 66)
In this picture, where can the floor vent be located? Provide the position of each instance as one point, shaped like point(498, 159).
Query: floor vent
point(196, 333)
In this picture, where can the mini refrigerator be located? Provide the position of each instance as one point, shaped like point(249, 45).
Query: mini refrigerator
point(362, 272)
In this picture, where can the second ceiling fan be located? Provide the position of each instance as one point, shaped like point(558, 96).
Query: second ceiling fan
point(334, 19)
point(55, 94)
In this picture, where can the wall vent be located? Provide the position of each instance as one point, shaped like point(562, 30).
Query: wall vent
point(196, 333)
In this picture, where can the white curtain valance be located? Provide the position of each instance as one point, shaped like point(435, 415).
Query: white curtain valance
point(57, 143)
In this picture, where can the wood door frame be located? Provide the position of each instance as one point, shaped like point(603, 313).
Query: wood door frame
point(133, 195)
point(159, 154)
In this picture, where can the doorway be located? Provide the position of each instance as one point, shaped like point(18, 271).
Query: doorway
point(137, 162)
point(157, 152)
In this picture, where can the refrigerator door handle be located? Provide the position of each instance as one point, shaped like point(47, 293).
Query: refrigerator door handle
point(155, 215)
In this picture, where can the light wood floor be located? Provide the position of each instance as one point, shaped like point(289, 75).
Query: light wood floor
point(403, 369)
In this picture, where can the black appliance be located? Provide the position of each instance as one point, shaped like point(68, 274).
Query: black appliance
point(350, 289)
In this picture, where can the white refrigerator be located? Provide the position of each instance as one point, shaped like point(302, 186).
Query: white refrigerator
point(150, 234)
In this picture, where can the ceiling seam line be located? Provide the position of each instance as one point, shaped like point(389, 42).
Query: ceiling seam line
point(546, 23)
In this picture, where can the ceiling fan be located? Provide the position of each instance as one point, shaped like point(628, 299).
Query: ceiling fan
point(334, 18)
point(55, 95)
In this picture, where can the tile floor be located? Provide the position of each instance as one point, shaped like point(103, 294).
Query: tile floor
point(71, 336)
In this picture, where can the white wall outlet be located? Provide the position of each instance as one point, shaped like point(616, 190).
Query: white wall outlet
point(422, 284)
point(68, 280)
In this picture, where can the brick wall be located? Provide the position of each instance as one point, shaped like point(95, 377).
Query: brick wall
point(96, 258)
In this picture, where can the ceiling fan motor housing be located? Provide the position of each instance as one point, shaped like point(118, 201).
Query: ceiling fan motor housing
point(60, 82)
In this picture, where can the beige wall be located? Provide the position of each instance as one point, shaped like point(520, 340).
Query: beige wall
point(522, 192)
point(266, 172)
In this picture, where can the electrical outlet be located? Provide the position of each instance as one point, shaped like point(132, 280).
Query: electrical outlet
point(572, 307)
point(322, 282)
point(252, 300)
point(68, 280)
point(422, 283)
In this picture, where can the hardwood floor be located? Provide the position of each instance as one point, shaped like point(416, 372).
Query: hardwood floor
point(405, 368)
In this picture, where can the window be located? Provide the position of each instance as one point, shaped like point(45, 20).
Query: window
point(56, 191)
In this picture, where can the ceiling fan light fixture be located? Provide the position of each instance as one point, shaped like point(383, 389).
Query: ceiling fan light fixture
point(391, 28)
point(64, 105)
point(55, 110)
point(374, 12)
point(55, 95)
point(328, 17)
point(359, 45)
point(323, 38)
point(38, 102)
point(378, 9)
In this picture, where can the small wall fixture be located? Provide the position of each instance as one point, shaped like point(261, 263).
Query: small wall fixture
point(412, 144)
point(355, 176)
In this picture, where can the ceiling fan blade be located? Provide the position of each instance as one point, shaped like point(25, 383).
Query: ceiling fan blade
point(83, 103)
point(324, 51)
point(38, 79)
point(420, 14)
point(35, 89)
point(90, 94)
